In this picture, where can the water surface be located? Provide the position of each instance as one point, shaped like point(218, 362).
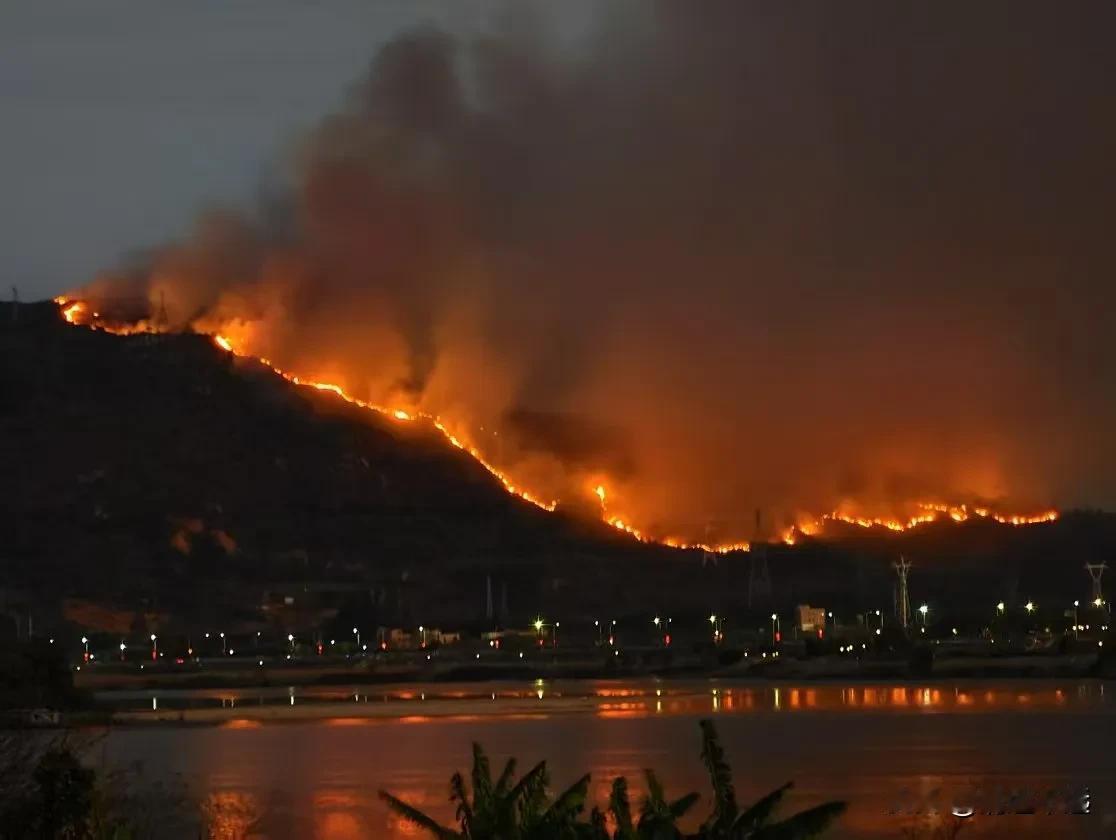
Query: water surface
point(307, 762)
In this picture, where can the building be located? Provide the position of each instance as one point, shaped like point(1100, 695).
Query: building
point(810, 619)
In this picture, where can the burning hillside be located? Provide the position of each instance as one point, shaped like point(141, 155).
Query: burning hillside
point(79, 313)
point(631, 278)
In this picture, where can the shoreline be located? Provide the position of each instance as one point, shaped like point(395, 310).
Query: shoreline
point(352, 704)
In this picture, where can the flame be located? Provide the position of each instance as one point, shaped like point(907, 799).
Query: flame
point(72, 311)
point(929, 512)
point(77, 313)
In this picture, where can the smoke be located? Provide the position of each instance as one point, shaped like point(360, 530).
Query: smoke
point(717, 256)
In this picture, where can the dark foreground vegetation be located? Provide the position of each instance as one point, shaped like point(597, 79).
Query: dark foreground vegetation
point(47, 792)
point(506, 809)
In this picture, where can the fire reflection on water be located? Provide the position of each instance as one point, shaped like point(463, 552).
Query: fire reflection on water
point(319, 778)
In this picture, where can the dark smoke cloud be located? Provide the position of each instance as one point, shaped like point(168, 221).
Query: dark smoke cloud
point(728, 255)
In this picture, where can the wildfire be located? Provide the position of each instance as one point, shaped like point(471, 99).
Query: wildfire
point(928, 512)
point(77, 313)
point(72, 311)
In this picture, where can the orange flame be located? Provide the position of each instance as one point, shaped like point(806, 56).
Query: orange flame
point(77, 313)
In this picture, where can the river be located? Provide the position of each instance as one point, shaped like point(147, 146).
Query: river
point(307, 762)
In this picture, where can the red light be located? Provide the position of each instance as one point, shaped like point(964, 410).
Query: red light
point(179, 660)
point(383, 645)
point(497, 645)
point(319, 648)
point(778, 635)
point(821, 633)
point(666, 639)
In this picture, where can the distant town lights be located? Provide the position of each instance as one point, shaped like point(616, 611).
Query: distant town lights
point(1030, 606)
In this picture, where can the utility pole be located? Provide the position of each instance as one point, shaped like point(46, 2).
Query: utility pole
point(902, 596)
point(759, 576)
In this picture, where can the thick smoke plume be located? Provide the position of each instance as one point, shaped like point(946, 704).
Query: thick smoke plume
point(712, 256)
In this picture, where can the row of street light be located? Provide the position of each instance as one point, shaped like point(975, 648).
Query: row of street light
point(662, 626)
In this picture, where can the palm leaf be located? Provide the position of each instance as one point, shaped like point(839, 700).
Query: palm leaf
point(532, 779)
point(505, 778)
point(460, 795)
point(482, 776)
point(655, 795)
point(683, 804)
point(414, 815)
point(758, 814)
point(621, 809)
point(598, 826)
point(803, 825)
point(720, 776)
point(571, 801)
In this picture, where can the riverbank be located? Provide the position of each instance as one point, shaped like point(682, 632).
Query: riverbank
point(223, 674)
point(355, 705)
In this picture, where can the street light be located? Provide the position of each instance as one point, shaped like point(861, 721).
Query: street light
point(924, 609)
point(1030, 606)
point(85, 644)
point(154, 647)
point(224, 644)
point(715, 620)
point(356, 633)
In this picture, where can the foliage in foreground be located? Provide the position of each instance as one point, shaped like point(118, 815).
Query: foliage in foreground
point(506, 809)
point(47, 791)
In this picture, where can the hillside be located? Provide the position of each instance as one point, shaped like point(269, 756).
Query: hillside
point(159, 472)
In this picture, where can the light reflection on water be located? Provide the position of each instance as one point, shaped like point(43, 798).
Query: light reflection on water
point(317, 776)
point(605, 699)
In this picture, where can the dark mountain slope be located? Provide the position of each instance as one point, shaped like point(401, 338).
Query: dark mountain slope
point(161, 472)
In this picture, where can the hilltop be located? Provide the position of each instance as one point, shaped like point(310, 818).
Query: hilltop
point(161, 474)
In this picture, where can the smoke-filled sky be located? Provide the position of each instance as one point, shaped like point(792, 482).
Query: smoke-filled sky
point(718, 256)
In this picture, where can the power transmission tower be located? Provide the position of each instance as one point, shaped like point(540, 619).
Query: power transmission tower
point(902, 596)
point(759, 576)
point(161, 320)
point(708, 557)
point(1096, 570)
